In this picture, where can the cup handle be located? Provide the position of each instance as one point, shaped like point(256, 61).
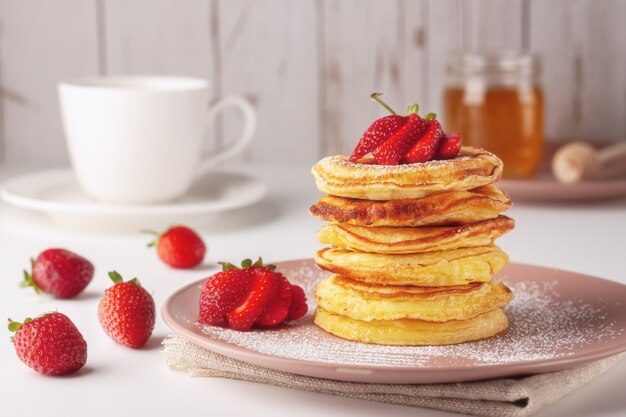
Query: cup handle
point(249, 115)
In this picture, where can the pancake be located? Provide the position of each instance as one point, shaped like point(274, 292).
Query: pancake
point(429, 269)
point(446, 208)
point(398, 240)
point(472, 168)
point(362, 301)
point(412, 332)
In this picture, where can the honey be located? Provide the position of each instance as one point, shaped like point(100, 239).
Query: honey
point(505, 121)
point(494, 102)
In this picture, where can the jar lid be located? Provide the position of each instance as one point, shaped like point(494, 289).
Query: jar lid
point(494, 62)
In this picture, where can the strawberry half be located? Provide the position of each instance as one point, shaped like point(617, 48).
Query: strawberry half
point(424, 149)
point(298, 307)
point(396, 147)
point(449, 147)
point(278, 308)
point(375, 135)
point(261, 293)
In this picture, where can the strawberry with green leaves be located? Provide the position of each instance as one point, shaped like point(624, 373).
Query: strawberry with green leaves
point(50, 344)
point(251, 295)
point(126, 312)
point(59, 272)
point(179, 247)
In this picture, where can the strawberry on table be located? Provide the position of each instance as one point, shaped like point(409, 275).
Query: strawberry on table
point(50, 344)
point(179, 247)
point(59, 272)
point(251, 295)
point(126, 312)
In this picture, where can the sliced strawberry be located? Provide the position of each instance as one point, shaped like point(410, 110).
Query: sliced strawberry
point(394, 148)
point(424, 149)
point(278, 307)
point(298, 307)
point(378, 132)
point(261, 292)
point(222, 293)
point(449, 147)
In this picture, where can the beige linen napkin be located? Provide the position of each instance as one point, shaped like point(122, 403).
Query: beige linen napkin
point(498, 397)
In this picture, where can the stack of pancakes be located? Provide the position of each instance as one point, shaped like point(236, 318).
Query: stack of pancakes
point(412, 251)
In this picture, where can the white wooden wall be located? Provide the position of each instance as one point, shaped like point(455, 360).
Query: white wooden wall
point(307, 65)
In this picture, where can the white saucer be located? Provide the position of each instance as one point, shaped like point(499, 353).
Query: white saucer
point(57, 194)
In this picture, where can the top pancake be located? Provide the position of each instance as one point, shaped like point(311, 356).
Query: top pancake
point(442, 209)
point(472, 168)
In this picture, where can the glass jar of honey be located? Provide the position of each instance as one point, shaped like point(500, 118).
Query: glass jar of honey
point(495, 102)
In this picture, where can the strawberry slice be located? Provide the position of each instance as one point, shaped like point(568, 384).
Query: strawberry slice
point(449, 147)
point(262, 291)
point(278, 307)
point(298, 307)
point(394, 148)
point(378, 132)
point(222, 293)
point(424, 149)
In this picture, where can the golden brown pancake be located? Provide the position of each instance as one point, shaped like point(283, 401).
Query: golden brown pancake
point(363, 301)
point(472, 168)
point(429, 269)
point(398, 240)
point(412, 332)
point(446, 208)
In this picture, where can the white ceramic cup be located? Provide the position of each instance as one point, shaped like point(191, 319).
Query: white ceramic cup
point(140, 139)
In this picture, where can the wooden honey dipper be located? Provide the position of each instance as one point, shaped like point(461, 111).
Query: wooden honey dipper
point(579, 161)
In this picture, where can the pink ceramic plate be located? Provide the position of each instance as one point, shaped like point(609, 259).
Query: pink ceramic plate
point(546, 189)
point(558, 320)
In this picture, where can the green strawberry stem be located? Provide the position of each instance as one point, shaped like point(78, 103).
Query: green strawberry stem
point(117, 278)
point(246, 263)
point(430, 116)
point(412, 109)
point(153, 233)
point(28, 278)
point(376, 98)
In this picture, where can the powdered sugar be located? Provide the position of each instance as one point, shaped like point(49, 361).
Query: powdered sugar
point(542, 326)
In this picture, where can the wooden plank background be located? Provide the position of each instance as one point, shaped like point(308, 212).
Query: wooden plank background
point(308, 66)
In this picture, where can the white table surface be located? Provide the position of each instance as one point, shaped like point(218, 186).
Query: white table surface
point(119, 381)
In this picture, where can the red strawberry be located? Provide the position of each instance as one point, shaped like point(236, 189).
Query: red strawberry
point(126, 312)
point(378, 132)
point(59, 272)
point(394, 148)
point(298, 307)
point(244, 297)
point(253, 307)
point(180, 247)
point(224, 292)
point(278, 308)
point(50, 344)
point(449, 146)
point(424, 149)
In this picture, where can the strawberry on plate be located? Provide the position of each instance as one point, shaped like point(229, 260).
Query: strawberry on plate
point(179, 247)
point(59, 272)
point(251, 295)
point(126, 312)
point(50, 344)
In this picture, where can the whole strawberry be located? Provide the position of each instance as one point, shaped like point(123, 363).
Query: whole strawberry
point(50, 344)
point(180, 247)
point(253, 295)
point(126, 312)
point(59, 272)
